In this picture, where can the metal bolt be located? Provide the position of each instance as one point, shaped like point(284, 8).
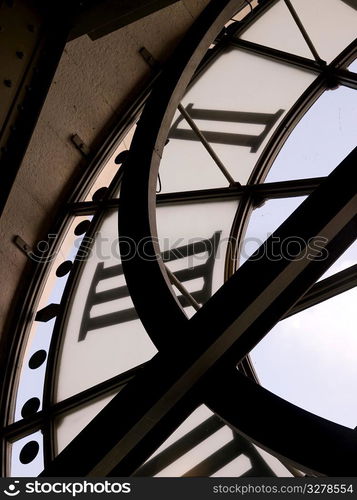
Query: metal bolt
point(20, 54)
point(8, 83)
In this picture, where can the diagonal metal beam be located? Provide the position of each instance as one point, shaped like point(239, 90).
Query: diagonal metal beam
point(100, 17)
point(225, 329)
point(207, 146)
point(303, 30)
point(326, 289)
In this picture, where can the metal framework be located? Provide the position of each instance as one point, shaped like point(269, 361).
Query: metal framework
point(95, 450)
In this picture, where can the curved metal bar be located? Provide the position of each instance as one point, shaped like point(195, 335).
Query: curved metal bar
point(159, 113)
point(311, 443)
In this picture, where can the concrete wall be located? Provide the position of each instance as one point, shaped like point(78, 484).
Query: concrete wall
point(94, 83)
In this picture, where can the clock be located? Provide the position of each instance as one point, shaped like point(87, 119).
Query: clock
point(146, 331)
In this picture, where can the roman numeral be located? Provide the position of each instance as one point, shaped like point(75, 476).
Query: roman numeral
point(204, 270)
point(247, 140)
point(238, 446)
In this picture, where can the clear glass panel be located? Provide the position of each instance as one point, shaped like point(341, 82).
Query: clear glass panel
point(347, 259)
point(201, 231)
point(71, 424)
point(34, 359)
point(353, 67)
point(203, 446)
point(321, 140)
point(33, 375)
point(277, 29)
point(27, 456)
point(264, 221)
point(103, 336)
point(331, 24)
point(237, 111)
point(310, 359)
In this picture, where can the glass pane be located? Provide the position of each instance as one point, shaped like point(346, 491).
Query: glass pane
point(27, 456)
point(203, 446)
point(264, 221)
point(331, 24)
point(201, 231)
point(310, 359)
point(321, 140)
point(347, 259)
point(112, 166)
point(103, 336)
point(244, 11)
point(277, 29)
point(237, 111)
point(71, 424)
point(34, 359)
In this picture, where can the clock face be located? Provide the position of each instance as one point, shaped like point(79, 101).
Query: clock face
point(260, 122)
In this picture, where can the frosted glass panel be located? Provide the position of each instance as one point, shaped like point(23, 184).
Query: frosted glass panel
point(68, 426)
point(331, 24)
point(237, 104)
point(102, 328)
point(277, 29)
point(321, 140)
point(203, 446)
point(27, 456)
point(103, 336)
point(310, 359)
point(201, 231)
point(264, 221)
point(34, 358)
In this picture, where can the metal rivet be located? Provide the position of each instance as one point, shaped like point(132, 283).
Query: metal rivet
point(28, 88)
point(20, 54)
point(8, 83)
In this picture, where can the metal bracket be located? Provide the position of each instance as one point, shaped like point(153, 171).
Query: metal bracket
point(22, 245)
point(149, 58)
point(80, 145)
